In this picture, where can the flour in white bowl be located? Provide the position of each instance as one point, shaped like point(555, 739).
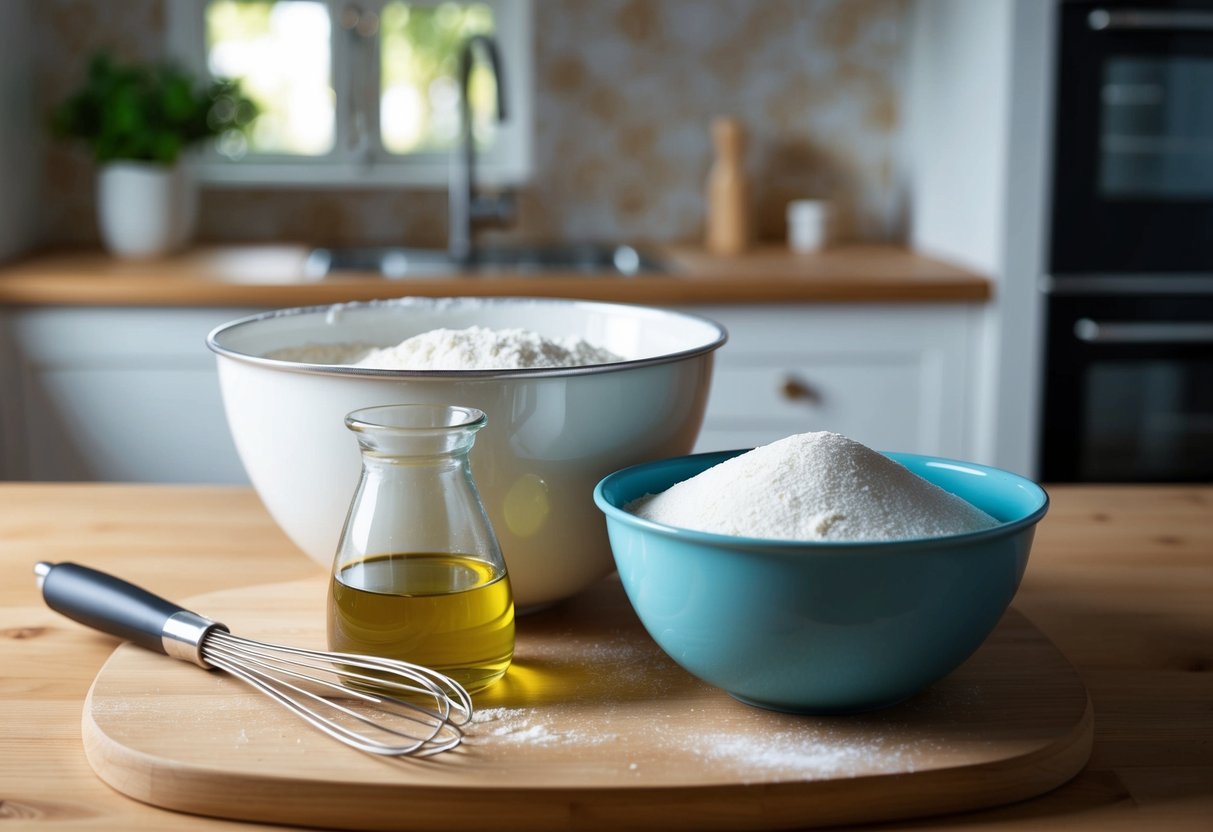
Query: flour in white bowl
point(474, 348)
point(481, 348)
point(812, 486)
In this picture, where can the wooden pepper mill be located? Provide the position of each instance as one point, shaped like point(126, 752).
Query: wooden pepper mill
point(728, 209)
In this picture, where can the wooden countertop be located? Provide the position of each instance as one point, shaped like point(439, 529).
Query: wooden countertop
point(1120, 579)
point(274, 276)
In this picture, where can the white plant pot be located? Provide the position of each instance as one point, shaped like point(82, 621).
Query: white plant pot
point(144, 209)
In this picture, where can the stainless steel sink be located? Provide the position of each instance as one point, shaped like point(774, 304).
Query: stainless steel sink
point(593, 260)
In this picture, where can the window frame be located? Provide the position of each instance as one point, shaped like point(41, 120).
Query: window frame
point(507, 162)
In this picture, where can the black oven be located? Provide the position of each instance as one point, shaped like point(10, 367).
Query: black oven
point(1129, 389)
point(1133, 138)
point(1128, 392)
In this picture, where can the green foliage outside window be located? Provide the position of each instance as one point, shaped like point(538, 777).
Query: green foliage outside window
point(419, 47)
point(272, 46)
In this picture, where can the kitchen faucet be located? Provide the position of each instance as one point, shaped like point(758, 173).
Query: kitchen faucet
point(467, 209)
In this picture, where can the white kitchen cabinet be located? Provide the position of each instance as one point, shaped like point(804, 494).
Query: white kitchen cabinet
point(895, 377)
point(124, 394)
point(131, 394)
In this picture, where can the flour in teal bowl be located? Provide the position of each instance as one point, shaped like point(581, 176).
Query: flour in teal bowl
point(812, 486)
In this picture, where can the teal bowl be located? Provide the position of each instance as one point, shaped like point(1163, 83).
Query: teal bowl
point(822, 627)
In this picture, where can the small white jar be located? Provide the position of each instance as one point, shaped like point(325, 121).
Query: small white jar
point(808, 224)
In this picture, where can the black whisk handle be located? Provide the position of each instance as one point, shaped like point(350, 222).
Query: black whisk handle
point(114, 606)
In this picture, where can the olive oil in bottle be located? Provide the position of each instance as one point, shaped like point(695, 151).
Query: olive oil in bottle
point(449, 612)
point(418, 574)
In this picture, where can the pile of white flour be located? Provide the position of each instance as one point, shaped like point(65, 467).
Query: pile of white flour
point(812, 486)
point(474, 348)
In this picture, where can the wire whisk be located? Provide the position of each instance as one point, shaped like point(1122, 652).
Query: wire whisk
point(380, 706)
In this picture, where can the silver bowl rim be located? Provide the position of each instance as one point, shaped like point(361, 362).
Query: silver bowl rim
point(212, 340)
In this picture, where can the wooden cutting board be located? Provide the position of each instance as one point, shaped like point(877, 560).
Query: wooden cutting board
point(592, 728)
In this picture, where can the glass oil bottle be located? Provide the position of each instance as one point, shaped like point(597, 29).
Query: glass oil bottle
point(418, 574)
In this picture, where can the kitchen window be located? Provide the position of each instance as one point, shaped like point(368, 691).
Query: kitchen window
point(359, 92)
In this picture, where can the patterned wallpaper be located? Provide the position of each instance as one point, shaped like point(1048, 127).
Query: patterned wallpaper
point(622, 142)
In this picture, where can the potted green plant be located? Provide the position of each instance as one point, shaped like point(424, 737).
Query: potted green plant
point(138, 119)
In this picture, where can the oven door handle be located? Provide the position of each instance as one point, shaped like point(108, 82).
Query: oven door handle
point(1133, 332)
point(1187, 20)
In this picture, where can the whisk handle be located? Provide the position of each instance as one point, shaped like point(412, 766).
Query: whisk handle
point(112, 605)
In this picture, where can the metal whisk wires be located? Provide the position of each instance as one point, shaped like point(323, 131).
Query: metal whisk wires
point(380, 706)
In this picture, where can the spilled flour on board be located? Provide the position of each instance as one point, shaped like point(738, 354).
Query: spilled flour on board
point(531, 726)
point(807, 753)
point(622, 702)
point(748, 753)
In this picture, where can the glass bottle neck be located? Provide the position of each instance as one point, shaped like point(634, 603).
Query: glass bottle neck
point(400, 433)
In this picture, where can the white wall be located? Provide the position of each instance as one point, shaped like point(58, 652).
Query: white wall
point(959, 65)
point(979, 109)
point(20, 160)
point(20, 136)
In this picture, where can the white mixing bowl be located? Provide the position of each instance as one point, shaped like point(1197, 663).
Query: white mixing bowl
point(552, 433)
